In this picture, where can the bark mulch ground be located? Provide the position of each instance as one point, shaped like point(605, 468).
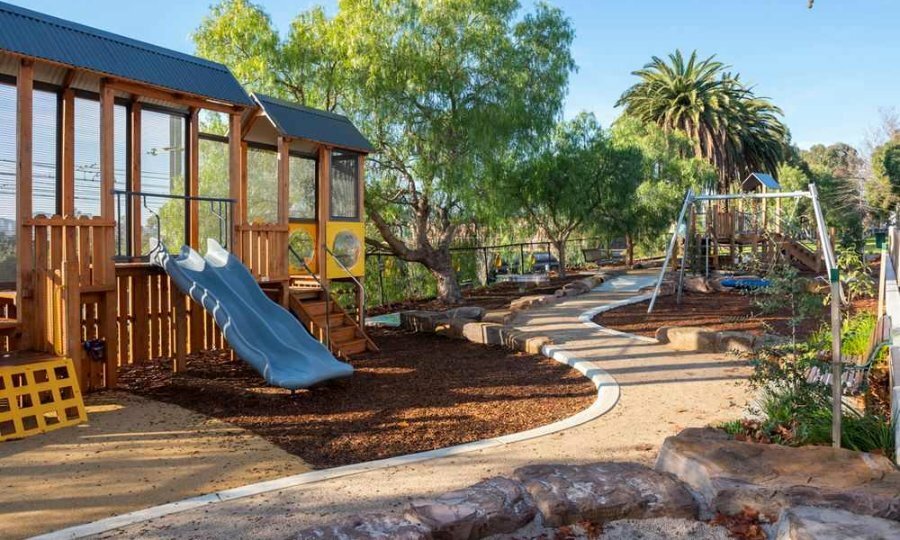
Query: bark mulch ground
point(715, 311)
point(420, 392)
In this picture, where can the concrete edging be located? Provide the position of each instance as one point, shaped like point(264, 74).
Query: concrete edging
point(587, 317)
point(608, 393)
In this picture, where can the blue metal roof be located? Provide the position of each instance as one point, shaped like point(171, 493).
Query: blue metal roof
point(40, 36)
point(293, 120)
point(760, 179)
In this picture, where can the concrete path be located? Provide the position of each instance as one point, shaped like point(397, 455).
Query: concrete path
point(662, 392)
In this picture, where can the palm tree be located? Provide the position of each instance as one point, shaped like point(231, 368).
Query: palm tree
point(729, 126)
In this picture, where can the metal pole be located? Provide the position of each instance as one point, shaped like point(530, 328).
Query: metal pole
point(836, 383)
point(687, 244)
point(521, 259)
point(688, 197)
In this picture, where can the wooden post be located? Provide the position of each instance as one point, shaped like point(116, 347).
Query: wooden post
point(324, 210)
point(72, 310)
point(181, 335)
point(361, 293)
point(136, 153)
point(283, 215)
point(194, 173)
point(235, 181)
point(105, 264)
point(67, 181)
point(24, 177)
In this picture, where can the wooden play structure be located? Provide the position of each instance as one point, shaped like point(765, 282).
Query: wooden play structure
point(745, 221)
point(119, 141)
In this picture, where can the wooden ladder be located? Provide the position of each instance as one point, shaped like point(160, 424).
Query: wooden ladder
point(328, 322)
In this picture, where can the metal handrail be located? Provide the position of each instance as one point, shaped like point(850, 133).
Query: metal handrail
point(324, 287)
point(362, 290)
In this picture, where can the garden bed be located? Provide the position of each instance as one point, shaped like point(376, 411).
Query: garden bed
point(421, 392)
point(731, 311)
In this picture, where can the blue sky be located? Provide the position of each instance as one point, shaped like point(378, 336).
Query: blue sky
point(830, 68)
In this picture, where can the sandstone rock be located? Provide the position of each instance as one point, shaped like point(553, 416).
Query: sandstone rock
point(494, 506)
point(474, 313)
point(421, 321)
point(484, 333)
point(690, 338)
point(498, 316)
point(808, 523)
point(368, 526)
point(729, 475)
point(739, 342)
point(454, 328)
point(604, 492)
point(662, 334)
point(527, 302)
point(523, 342)
point(698, 284)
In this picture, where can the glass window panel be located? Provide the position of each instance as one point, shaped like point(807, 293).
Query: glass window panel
point(303, 188)
point(163, 171)
point(213, 122)
point(344, 179)
point(262, 185)
point(7, 185)
point(213, 183)
point(44, 158)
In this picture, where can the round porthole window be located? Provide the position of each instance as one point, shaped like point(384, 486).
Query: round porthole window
point(347, 248)
point(302, 244)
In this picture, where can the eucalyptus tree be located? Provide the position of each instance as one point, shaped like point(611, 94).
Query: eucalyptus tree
point(440, 88)
point(728, 125)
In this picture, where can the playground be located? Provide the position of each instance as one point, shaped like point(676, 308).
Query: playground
point(251, 309)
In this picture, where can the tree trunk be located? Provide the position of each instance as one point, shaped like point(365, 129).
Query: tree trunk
point(447, 284)
point(560, 246)
point(629, 250)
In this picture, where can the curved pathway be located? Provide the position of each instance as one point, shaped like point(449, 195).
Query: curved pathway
point(661, 392)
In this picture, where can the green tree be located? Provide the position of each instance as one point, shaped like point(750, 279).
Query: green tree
point(441, 89)
point(727, 123)
point(661, 181)
point(883, 190)
point(576, 176)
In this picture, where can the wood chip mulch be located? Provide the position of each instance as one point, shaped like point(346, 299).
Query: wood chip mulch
point(421, 392)
point(715, 311)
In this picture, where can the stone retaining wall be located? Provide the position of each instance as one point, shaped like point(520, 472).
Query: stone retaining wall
point(495, 327)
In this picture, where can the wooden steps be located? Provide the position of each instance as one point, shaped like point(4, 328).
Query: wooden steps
point(327, 321)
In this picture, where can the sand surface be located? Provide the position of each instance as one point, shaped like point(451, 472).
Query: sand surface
point(132, 453)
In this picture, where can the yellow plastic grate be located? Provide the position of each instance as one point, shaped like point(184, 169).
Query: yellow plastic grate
point(37, 397)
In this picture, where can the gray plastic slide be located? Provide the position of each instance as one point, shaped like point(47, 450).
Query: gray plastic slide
point(261, 332)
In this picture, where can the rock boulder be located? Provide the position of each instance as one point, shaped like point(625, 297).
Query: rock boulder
point(604, 492)
point(808, 523)
point(729, 475)
point(494, 506)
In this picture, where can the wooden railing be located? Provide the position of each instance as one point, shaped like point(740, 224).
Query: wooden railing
point(73, 282)
point(264, 250)
point(149, 311)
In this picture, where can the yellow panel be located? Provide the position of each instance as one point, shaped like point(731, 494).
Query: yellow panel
point(340, 232)
point(39, 396)
point(298, 229)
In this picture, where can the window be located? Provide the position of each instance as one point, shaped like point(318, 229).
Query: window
point(44, 183)
point(302, 189)
point(262, 185)
point(87, 154)
point(163, 166)
point(344, 185)
point(213, 183)
point(7, 185)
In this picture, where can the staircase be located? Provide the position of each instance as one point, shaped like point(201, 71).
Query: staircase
point(797, 252)
point(327, 321)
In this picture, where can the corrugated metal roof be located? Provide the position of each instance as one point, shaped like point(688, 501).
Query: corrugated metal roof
point(293, 120)
point(760, 179)
point(41, 36)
